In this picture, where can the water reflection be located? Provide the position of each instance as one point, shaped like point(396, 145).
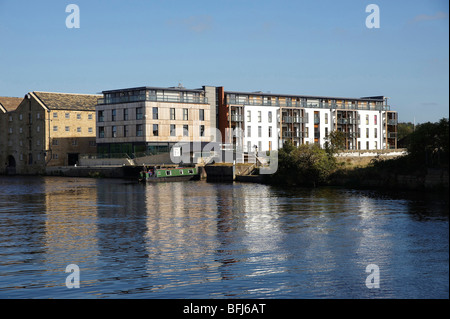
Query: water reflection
point(200, 240)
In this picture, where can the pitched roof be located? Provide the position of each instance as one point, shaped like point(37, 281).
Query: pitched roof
point(8, 104)
point(68, 101)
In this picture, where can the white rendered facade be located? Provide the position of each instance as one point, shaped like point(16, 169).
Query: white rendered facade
point(367, 123)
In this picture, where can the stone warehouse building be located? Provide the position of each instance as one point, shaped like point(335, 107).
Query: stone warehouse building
point(46, 129)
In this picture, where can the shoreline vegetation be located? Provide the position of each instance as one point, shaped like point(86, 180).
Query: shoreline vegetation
point(424, 168)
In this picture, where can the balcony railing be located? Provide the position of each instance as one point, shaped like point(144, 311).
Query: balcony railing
point(295, 119)
point(153, 98)
point(392, 135)
point(236, 118)
point(349, 121)
point(392, 122)
point(303, 104)
point(294, 134)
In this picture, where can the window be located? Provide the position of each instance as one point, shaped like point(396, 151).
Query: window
point(55, 115)
point(155, 130)
point(90, 130)
point(100, 116)
point(173, 130)
point(249, 146)
point(185, 115)
point(114, 131)
point(367, 132)
point(10, 130)
point(101, 131)
point(172, 114)
point(249, 131)
point(20, 117)
point(375, 132)
point(113, 115)
point(367, 119)
point(55, 129)
point(67, 128)
point(375, 120)
point(326, 119)
point(185, 130)
point(367, 145)
point(79, 129)
point(202, 130)
point(67, 115)
point(139, 113)
point(270, 131)
point(259, 131)
point(38, 128)
point(139, 130)
point(260, 146)
point(54, 142)
point(168, 173)
point(201, 114)
point(10, 118)
point(38, 143)
point(376, 145)
point(259, 117)
point(55, 156)
point(89, 116)
point(79, 116)
point(125, 114)
point(155, 113)
point(125, 131)
point(326, 131)
point(38, 115)
point(74, 142)
point(92, 144)
point(270, 116)
point(249, 116)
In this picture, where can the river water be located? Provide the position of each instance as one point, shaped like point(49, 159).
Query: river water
point(212, 240)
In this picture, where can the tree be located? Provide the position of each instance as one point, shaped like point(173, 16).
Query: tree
point(306, 165)
point(335, 142)
point(428, 145)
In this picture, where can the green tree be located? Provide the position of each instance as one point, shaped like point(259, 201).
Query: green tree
point(306, 165)
point(335, 142)
point(429, 144)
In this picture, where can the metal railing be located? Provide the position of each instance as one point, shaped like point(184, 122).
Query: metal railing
point(153, 98)
point(303, 104)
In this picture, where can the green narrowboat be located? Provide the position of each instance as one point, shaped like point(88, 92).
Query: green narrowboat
point(168, 174)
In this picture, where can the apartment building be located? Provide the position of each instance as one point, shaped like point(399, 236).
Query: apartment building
point(47, 129)
point(151, 120)
point(264, 121)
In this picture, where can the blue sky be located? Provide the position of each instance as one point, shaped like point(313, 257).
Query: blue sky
point(291, 47)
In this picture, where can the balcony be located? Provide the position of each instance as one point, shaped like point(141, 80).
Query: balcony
point(236, 118)
point(392, 122)
point(153, 98)
point(392, 135)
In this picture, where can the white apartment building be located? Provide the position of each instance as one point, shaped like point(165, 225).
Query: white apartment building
point(268, 120)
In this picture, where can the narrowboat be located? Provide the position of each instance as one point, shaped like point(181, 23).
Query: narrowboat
point(168, 174)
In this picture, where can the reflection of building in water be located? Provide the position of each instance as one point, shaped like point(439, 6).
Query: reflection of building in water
point(249, 230)
point(181, 227)
point(263, 230)
point(71, 221)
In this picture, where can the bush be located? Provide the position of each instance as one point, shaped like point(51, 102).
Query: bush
point(306, 165)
